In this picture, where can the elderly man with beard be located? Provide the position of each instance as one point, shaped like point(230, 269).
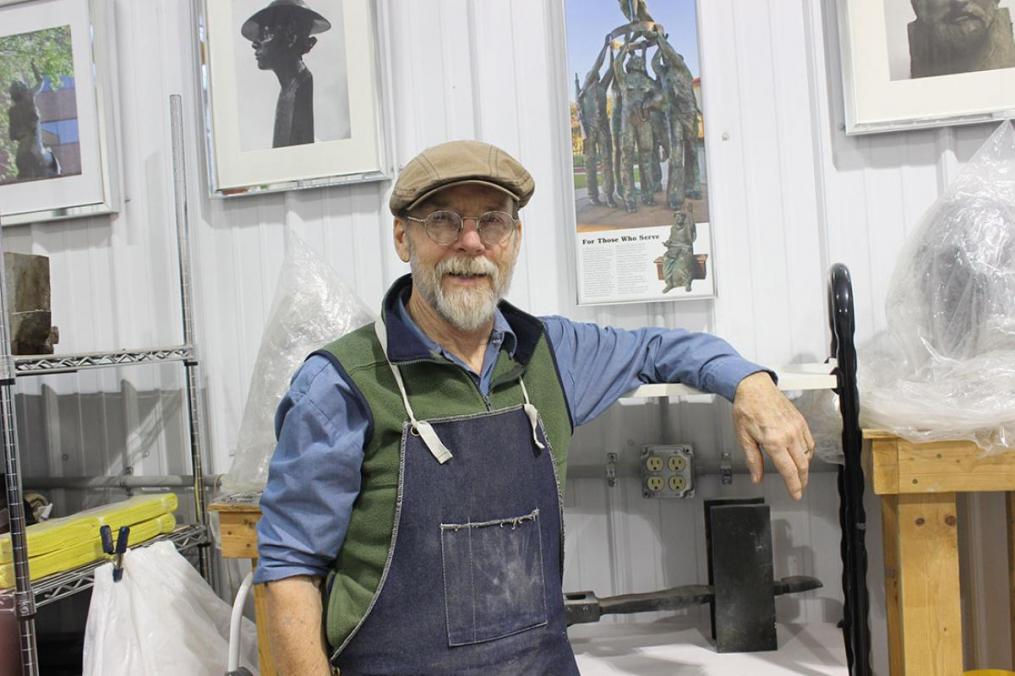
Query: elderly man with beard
point(412, 521)
point(959, 36)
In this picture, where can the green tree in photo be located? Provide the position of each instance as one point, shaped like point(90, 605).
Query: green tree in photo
point(27, 58)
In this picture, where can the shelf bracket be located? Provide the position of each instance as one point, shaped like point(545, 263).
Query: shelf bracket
point(24, 605)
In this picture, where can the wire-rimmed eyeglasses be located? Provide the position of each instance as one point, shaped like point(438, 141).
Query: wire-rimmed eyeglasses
point(444, 227)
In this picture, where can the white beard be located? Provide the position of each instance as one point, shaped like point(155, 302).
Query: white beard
point(465, 309)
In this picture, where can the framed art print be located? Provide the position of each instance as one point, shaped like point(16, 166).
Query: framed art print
point(293, 94)
point(925, 63)
point(58, 150)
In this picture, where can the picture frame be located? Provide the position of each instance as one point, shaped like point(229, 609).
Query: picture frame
point(61, 158)
point(903, 71)
point(269, 148)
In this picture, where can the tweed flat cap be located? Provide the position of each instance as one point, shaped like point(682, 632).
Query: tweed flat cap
point(458, 162)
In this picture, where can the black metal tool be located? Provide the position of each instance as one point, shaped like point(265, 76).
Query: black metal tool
point(852, 516)
point(584, 607)
point(116, 551)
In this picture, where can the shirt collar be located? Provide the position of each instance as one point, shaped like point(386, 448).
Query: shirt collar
point(517, 330)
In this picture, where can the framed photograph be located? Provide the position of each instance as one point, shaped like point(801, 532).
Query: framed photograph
point(58, 149)
point(294, 94)
point(638, 151)
point(909, 64)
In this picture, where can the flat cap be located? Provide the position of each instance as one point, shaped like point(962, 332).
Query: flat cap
point(458, 162)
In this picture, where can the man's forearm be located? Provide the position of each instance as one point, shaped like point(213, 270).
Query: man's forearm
point(294, 627)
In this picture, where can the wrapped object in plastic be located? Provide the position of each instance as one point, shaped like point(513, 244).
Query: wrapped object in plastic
point(945, 368)
point(312, 307)
point(160, 618)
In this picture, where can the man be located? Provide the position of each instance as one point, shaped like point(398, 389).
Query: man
point(280, 35)
point(959, 36)
point(591, 100)
point(421, 459)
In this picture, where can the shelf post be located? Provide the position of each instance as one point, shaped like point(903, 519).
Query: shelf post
point(192, 369)
point(24, 599)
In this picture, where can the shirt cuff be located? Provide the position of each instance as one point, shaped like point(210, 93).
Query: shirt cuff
point(264, 574)
point(724, 376)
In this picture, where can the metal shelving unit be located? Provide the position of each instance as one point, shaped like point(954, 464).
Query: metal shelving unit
point(29, 596)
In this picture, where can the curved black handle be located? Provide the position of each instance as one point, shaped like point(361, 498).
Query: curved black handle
point(852, 516)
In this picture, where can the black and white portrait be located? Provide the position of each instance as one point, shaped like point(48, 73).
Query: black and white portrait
point(928, 38)
point(291, 72)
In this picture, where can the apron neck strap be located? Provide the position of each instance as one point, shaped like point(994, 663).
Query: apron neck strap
point(421, 427)
point(425, 429)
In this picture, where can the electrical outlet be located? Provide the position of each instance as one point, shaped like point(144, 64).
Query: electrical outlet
point(667, 471)
point(655, 483)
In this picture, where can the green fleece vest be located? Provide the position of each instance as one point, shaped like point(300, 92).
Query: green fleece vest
point(437, 388)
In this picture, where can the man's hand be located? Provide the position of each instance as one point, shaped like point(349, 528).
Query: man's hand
point(765, 419)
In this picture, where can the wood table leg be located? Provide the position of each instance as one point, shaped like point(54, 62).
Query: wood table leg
point(266, 665)
point(928, 578)
point(890, 542)
point(1009, 501)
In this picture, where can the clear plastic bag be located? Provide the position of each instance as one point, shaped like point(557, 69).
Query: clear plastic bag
point(312, 307)
point(945, 368)
point(160, 618)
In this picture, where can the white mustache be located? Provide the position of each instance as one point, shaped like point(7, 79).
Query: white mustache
point(464, 265)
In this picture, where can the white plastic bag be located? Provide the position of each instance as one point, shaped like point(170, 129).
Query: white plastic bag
point(945, 368)
point(161, 618)
point(312, 307)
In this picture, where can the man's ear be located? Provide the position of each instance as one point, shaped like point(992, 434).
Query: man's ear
point(401, 237)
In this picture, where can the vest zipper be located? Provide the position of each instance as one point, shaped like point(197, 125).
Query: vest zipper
point(448, 362)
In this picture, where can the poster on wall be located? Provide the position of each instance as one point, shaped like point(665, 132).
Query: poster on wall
point(57, 146)
point(293, 94)
point(638, 152)
point(925, 63)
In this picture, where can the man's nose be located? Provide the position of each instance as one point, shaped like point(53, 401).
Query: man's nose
point(469, 240)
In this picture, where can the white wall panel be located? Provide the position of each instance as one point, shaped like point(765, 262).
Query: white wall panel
point(790, 195)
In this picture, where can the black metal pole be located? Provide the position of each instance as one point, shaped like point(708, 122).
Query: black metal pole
point(852, 516)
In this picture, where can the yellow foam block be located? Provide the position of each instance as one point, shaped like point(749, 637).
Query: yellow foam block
point(49, 536)
point(133, 510)
point(85, 551)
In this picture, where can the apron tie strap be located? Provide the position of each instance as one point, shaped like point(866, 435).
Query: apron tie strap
point(424, 429)
point(533, 414)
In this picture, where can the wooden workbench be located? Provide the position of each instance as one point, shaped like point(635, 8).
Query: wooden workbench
point(918, 484)
point(238, 519)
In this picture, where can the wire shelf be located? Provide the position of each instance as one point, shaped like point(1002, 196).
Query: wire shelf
point(59, 586)
point(34, 365)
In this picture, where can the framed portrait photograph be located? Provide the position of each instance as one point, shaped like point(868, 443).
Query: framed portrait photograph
point(638, 151)
point(925, 63)
point(58, 149)
point(293, 94)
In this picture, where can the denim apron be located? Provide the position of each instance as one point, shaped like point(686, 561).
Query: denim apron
point(473, 580)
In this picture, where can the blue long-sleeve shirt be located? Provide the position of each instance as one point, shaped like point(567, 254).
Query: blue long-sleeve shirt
point(321, 425)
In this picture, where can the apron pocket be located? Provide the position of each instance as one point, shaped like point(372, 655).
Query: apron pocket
point(493, 578)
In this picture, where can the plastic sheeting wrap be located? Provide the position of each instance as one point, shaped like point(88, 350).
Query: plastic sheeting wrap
point(945, 368)
point(312, 307)
point(161, 618)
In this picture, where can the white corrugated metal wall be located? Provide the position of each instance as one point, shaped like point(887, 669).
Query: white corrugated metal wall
point(790, 195)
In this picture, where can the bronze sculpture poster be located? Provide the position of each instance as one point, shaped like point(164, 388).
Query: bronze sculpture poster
point(638, 152)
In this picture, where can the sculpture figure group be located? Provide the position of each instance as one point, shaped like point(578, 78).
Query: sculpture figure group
point(654, 118)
